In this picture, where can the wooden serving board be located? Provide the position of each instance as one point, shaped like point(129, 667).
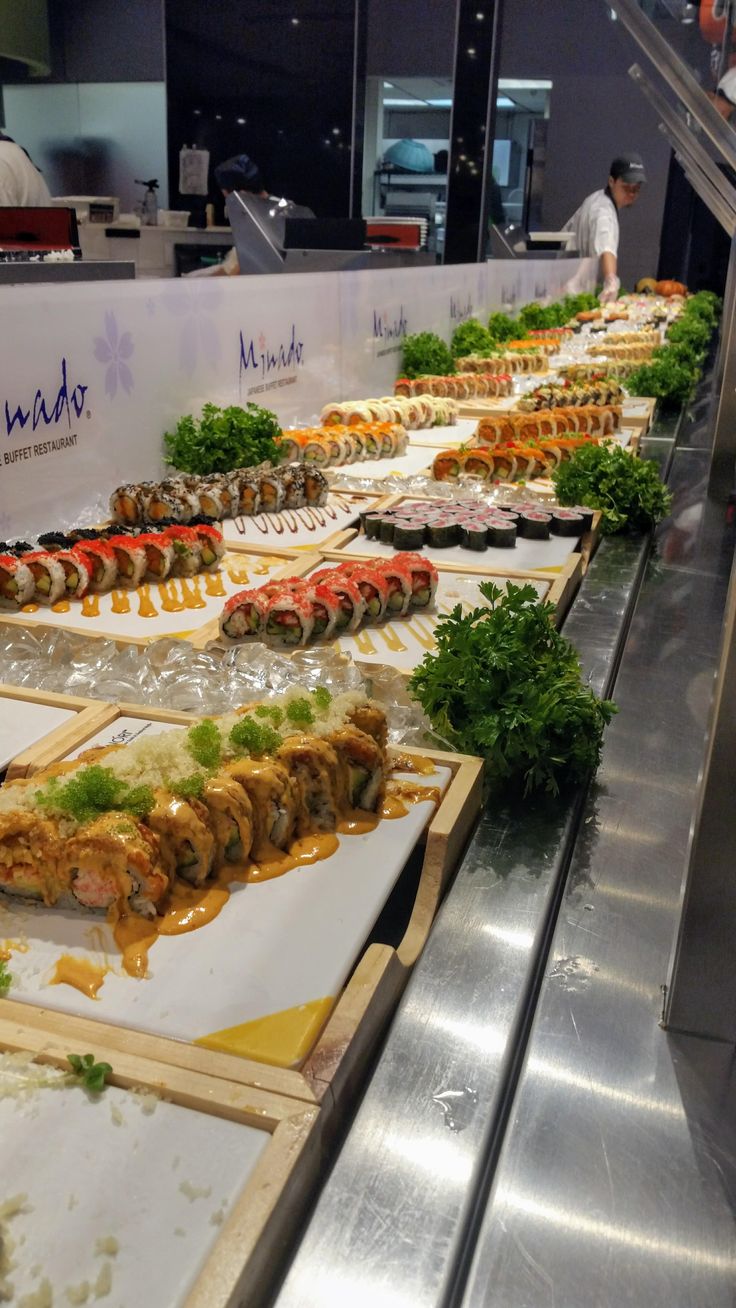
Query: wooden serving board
point(177, 607)
point(197, 1182)
point(298, 529)
point(36, 726)
point(638, 411)
point(222, 999)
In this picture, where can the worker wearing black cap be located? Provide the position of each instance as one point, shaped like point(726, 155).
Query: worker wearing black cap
point(595, 223)
point(241, 174)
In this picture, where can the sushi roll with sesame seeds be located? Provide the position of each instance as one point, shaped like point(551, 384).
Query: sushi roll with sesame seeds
point(214, 499)
point(316, 488)
point(250, 495)
point(295, 486)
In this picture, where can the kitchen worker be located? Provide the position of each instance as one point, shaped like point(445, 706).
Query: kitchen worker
point(595, 223)
point(241, 174)
point(21, 184)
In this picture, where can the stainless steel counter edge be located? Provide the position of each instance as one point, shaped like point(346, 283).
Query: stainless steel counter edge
point(616, 1180)
point(392, 1220)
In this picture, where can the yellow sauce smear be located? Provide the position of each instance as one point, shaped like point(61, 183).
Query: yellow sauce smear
point(119, 601)
point(190, 907)
point(80, 973)
point(169, 597)
point(418, 763)
point(62, 606)
point(91, 606)
point(213, 584)
point(357, 823)
point(191, 593)
point(409, 792)
point(281, 1039)
point(146, 609)
point(30, 608)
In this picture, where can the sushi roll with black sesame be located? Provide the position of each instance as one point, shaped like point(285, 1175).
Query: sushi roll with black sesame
point(53, 541)
point(534, 525)
point(250, 495)
point(295, 486)
point(214, 499)
point(272, 491)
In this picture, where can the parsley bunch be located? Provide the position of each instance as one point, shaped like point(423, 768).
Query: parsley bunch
point(628, 491)
point(502, 328)
point(425, 354)
point(676, 367)
point(470, 337)
point(223, 439)
point(506, 685)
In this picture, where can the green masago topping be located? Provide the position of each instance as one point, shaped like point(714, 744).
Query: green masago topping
point(93, 791)
point(322, 698)
point(271, 711)
point(190, 787)
point(250, 737)
point(300, 712)
point(204, 744)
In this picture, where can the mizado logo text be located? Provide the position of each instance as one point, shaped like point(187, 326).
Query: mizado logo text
point(266, 359)
point(65, 404)
point(389, 330)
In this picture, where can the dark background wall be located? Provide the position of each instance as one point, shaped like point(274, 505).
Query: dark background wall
point(290, 82)
point(102, 41)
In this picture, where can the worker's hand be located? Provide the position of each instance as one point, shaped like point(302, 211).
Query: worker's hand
point(611, 288)
point(215, 270)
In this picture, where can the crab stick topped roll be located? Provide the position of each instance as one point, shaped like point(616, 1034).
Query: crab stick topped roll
point(115, 860)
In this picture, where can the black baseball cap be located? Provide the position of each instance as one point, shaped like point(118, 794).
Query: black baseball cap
point(239, 174)
point(628, 168)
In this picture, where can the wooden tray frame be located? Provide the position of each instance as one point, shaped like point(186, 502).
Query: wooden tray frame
point(247, 1252)
point(334, 1067)
point(89, 716)
point(141, 642)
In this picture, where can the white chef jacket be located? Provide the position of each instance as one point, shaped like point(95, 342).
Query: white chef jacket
point(595, 225)
point(20, 182)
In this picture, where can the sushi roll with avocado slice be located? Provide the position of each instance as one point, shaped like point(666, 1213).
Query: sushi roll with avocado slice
point(99, 557)
point(130, 557)
point(325, 608)
point(212, 546)
point(230, 815)
point(16, 582)
point(289, 620)
point(423, 578)
point(244, 615)
point(159, 555)
point(351, 604)
point(48, 576)
point(187, 550)
point(399, 590)
point(186, 842)
point(374, 589)
point(363, 767)
point(76, 573)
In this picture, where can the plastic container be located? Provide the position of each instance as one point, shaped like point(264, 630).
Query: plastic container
point(173, 217)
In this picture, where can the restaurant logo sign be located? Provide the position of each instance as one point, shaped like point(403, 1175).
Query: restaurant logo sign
point(55, 407)
point(389, 332)
point(461, 310)
point(268, 366)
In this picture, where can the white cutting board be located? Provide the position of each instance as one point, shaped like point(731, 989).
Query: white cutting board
point(403, 642)
point(294, 528)
point(275, 946)
point(194, 600)
point(23, 723)
point(442, 438)
point(525, 555)
point(417, 459)
point(87, 1178)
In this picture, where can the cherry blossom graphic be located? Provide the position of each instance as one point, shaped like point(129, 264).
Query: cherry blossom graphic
point(195, 306)
point(114, 350)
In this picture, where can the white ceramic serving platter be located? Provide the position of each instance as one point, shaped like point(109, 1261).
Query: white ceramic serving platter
point(295, 528)
point(446, 437)
point(525, 556)
point(416, 459)
point(95, 1167)
point(403, 642)
point(636, 408)
point(172, 608)
point(23, 723)
point(279, 950)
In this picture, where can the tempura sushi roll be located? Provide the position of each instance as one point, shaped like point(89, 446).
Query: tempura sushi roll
point(250, 495)
point(30, 846)
point(244, 615)
point(314, 766)
point(274, 798)
point(363, 767)
point(371, 719)
point(230, 816)
point(159, 555)
point(49, 580)
point(115, 860)
point(289, 620)
point(99, 556)
point(76, 573)
point(130, 557)
point(325, 608)
point(211, 544)
point(295, 486)
point(127, 503)
point(351, 605)
point(185, 840)
point(423, 577)
point(187, 550)
point(316, 488)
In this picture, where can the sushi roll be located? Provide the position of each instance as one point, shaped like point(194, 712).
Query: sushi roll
point(170, 500)
point(16, 582)
point(294, 480)
point(244, 615)
point(289, 620)
point(372, 526)
point(423, 578)
point(317, 452)
point(534, 525)
point(479, 463)
point(315, 488)
point(76, 573)
point(214, 499)
point(447, 465)
point(272, 492)
point(502, 532)
point(185, 840)
point(408, 536)
point(250, 495)
point(325, 608)
point(131, 559)
point(443, 533)
point(313, 765)
point(49, 578)
point(187, 550)
point(374, 589)
point(127, 503)
point(53, 541)
point(587, 514)
point(386, 530)
point(504, 463)
point(565, 522)
point(291, 447)
point(212, 546)
point(230, 817)
point(474, 536)
point(274, 800)
point(351, 605)
point(362, 764)
point(114, 860)
point(99, 558)
point(399, 590)
point(159, 554)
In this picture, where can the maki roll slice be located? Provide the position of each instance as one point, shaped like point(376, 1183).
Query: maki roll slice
point(565, 522)
point(443, 532)
point(386, 530)
point(313, 765)
point(534, 525)
point(423, 578)
point(130, 557)
point(16, 582)
point(211, 544)
point(250, 495)
point(244, 615)
point(586, 513)
point(186, 842)
point(230, 815)
point(317, 452)
point(274, 799)
point(272, 492)
point(49, 578)
point(447, 465)
point(53, 541)
point(214, 499)
point(76, 573)
point(474, 536)
point(295, 487)
point(289, 620)
point(291, 447)
point(99, 557)
point(159, 555)
point(502, 532)
point(351, 605)
point(127, 502)
point(372, 526)
point(325, 607)
point(362, 768)
point(374, 589)
point(315, 488)
point(408, 536)
point(399, 590)
point(115, 860)
point(479, 463)
point(187, 550)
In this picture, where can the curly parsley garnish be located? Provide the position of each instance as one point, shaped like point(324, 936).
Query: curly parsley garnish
point(91, 1075)
point(628, 491)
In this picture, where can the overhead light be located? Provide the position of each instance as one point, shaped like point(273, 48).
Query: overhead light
point(440, 104)
point(196, 112)
point(471, 51)
point(336, 131)
point(524, 84)
point(387, 86)
point(295, 22)
point(218, 118)
point(480, 17)
point(503, 102)
point(241, 121)
point(407, 104)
